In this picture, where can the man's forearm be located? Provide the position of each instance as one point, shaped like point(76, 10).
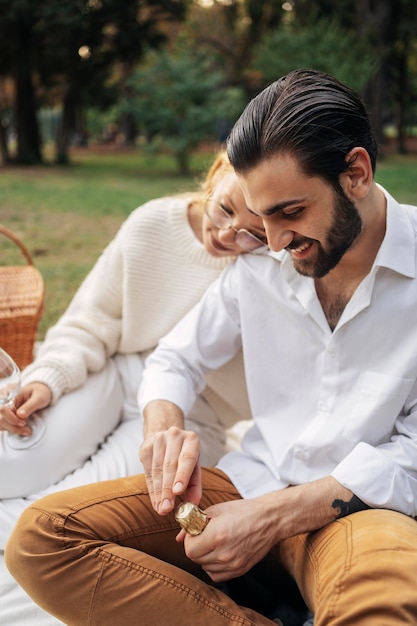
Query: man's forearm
point(305, 508)
point(160, 415)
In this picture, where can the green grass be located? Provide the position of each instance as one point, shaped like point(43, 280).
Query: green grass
point(398, 174)
point(65, 216)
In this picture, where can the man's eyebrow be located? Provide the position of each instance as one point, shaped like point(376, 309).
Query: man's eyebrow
point(277, 207)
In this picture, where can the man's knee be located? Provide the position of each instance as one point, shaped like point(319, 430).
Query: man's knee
point(26, 545)
point(363, 565)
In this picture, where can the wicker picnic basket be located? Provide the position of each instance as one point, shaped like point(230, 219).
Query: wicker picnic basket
point(22, 295)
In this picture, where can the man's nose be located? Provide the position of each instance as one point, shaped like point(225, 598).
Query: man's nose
point(278, 238)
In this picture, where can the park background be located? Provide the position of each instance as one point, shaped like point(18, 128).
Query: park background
point(105, 104)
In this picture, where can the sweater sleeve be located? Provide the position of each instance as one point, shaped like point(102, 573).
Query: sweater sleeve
point(145, 281)
point(89, 330)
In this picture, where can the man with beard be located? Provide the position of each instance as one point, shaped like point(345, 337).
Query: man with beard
point(324, 489)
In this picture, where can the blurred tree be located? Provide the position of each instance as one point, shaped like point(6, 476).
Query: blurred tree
point(402, 61)
point(385, 30)
point(5, 108)
point(105, 33)
point(320, 43)
point(187, 103)
point(18, 56)
point(70, 48)
point(80, 53)
point(389, 27)
point(374, 22)
point(228, 31)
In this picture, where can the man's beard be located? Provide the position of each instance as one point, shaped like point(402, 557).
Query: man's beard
point(345, 229)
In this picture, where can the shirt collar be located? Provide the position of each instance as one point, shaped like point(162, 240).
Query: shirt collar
point(398, 248)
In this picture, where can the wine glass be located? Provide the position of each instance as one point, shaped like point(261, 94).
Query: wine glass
point(9, 388)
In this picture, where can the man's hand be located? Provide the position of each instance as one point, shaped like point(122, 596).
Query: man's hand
point(31, 398)
point(240, 533)
point(237, 537)
point(170, 457)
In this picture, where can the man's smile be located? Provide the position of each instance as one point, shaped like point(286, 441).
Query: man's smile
point(296, 249)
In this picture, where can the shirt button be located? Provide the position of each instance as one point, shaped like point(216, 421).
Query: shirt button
point(301, 454)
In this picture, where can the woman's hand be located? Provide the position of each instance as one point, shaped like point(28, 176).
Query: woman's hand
point(31, 398)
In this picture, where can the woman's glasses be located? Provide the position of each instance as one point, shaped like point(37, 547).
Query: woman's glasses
point(249, 242)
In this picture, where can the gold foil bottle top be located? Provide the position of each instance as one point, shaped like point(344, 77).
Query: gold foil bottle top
point(191, 518)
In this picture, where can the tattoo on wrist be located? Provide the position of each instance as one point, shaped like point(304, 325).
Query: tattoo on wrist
point(347, 508)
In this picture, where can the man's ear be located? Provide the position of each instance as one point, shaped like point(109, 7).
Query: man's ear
point(358, 178)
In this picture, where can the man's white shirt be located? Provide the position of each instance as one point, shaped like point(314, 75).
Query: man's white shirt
point(342, 403)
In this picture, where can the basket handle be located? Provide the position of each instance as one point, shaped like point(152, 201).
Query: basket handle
point(8, 233)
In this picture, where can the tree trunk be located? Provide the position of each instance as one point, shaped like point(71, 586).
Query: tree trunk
point(374, 98)
point(374, 20)
point(404, 22)
point(4, 149)
point(27, 129)
point(129, 129)
point(183, 162)
point(67, 129)
point(401, 102)
point(127, 123)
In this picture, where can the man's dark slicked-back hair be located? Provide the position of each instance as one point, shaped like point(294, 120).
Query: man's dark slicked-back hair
point(309, 115)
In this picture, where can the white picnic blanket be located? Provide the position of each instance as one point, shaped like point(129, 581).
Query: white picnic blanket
point(17, 609)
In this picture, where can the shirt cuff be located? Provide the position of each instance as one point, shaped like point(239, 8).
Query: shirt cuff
point(374, 478)
point(170, 387)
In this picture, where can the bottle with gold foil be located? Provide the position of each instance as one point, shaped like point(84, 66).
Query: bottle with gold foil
point(191, 518)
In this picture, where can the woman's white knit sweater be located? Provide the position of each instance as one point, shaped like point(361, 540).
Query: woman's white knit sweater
point(147, 278)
